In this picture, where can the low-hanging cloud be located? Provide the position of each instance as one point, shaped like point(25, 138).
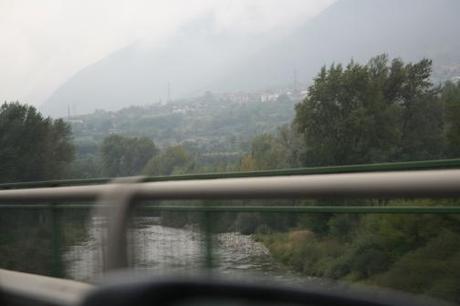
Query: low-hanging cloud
point(43, 43)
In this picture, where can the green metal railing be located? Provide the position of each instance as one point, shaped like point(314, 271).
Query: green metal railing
point(387, 180)
point(376, 167)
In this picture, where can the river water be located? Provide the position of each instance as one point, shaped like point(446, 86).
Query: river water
point(164, 250)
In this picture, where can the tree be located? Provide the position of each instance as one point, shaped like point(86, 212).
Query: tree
point(283, 149)
point(126, 156)
point(451, 100)
point(371, 113)
point(32, 147)
point(173, 160)
point(422, 121)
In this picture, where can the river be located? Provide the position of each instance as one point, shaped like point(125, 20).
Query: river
point(163, 250)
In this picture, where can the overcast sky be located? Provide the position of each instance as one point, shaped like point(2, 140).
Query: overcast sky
point(44, 42)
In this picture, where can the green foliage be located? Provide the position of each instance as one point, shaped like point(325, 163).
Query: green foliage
point(371, 113)
point(284, 149)
point(317, 223)
point(268, 152)
point(342, 226)
point(125, 156)
point(451, 99)
point(86, 167)
point(415, 253)
point(382, 111)
point(212, 124)
point(172, 160)
point(32, 147)
point(431, 269)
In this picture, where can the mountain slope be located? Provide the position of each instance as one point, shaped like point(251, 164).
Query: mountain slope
point(199, 59)
point(141, 73)
point(359, 29)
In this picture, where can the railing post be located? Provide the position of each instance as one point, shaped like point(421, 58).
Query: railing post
point(208, 247)
point(115, 205)
point(56, 247)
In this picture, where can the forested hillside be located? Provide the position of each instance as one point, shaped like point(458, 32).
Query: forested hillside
point(216, 128)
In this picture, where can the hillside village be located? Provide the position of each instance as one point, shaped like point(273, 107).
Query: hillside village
point(212, 124)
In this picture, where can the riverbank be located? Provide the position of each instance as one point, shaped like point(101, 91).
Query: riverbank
point(413, 253)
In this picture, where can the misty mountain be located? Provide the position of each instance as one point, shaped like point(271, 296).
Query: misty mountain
point(198, 59)
point(359, 30)
point(148, 73)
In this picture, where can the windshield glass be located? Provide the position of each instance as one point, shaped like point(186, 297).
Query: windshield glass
point(198, 90)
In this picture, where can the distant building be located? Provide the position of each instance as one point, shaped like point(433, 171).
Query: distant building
point(75, 121)
point(114, 131)
point(269, 97)
point(455, 79)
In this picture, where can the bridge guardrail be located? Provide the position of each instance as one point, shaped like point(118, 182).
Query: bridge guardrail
point(440, 183)
point(410, 184)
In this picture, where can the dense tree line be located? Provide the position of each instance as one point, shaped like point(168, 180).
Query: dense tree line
point(128, 156)
point(32, 147)
point(210, 123)
point(381, 111)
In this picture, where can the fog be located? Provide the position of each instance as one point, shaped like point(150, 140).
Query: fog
point(115, 54)
point(43, 43)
